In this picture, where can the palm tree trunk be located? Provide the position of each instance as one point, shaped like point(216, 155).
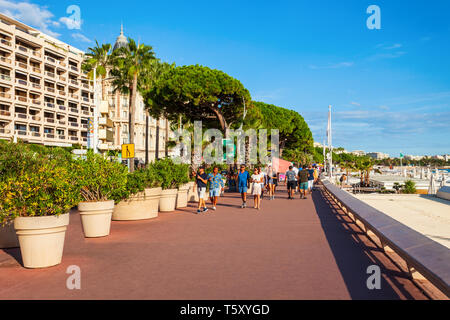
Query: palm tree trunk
point(132, 115)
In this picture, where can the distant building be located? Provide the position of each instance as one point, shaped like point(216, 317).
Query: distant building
point(447, 157)
point(358, 153)
point(318, 145)
point(438, 157)
point(415, 158)
point(378, 155)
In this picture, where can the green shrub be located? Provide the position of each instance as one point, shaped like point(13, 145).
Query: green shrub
point(409, 187)
point(98, 178)
point(171, 175)
point(44, 191)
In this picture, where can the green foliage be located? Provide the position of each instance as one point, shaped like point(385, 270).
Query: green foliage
point(35, 184)
point(98, 178)
point(409, 187)
point(136, 182)
point(172, 175)
point(198, 93)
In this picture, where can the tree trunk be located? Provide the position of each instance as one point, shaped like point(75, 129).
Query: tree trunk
point(132, 115)
point(103, 89)
point(146, 137)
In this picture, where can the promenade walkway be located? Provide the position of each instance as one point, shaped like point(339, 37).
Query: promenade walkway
point(290, 249)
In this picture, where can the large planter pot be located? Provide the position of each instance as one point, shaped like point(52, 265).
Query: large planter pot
point(8, 237)
point(168, 200)
point(152, 197)
point(192, 194)
point(96, 218)
point(138, 207)
point(41, 239)
point(182, 198)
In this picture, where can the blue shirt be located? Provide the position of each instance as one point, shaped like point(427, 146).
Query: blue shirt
point(243, 178)
point(216, 181)
point(310, 174)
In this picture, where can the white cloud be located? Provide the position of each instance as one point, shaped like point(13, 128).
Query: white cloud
point(355, 104)
point(81, 37)
point(32, 14)
point(333, 66)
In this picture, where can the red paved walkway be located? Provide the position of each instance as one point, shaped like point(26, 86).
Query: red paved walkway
point(291, 249)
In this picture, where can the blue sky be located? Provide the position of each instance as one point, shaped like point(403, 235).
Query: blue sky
point(389, 88)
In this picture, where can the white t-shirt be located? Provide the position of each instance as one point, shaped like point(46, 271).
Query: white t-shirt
point(296, 172)
point(257, 177)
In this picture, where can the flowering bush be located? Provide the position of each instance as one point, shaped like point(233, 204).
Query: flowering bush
point(98, 178)
point(44, 191)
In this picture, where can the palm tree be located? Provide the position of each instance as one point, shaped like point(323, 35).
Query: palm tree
point(98, 58)
point(129, 64)
point(152, 71)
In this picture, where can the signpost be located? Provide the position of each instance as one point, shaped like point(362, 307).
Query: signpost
point(127, 151)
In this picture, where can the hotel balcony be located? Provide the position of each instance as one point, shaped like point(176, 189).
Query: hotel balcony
point(5, 96)
point(50, 60)
point(4, 131)
point(5, 78)
point(6, 61)
point(21, 99)
point(22, 65)
point(5, 43)
point(21, 116)
point(22, 83)
point(5, 113)
point(35, 85)
point(106, 135)
point(22, 49)
point(105, 122)
point(50, 74)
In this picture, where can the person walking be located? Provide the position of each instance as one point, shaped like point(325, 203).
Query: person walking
point(242, 179)
point(303, 177)
point(272, 175)
point(257, 180)
point(216, 186)
point(310, 178)
point(291, 182)
point(263, 183)
point(201, 181)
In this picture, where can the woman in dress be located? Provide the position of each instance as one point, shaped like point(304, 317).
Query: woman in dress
point(257, 179)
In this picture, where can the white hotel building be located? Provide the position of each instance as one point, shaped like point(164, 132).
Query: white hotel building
point(46, 99)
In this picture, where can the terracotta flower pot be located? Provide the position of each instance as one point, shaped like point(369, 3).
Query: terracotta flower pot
point(168, 200)
point(96, 218)
point(192, 194)
point(8, 237)
point(182, 199)
point(41, 239)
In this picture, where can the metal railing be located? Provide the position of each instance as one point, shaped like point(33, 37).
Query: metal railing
point(422, 255)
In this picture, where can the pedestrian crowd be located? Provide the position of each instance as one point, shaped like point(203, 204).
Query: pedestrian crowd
point(257, 184)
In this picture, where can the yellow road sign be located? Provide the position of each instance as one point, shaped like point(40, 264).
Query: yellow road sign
point(127, 151)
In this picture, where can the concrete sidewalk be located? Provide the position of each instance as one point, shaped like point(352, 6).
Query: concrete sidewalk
point(290, 249)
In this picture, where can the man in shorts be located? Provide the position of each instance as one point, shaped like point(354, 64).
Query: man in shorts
point(291, 180)
point(242, 179)
point(216, 186)
point(201, 180)
point(303, 177)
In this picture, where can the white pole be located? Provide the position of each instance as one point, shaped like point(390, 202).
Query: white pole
point(330, 142)
point(96, 106)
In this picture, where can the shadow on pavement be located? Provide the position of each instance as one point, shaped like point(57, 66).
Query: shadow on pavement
point(353, 256)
